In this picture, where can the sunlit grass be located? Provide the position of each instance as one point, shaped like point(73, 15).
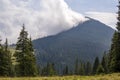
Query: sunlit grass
point(115, 76)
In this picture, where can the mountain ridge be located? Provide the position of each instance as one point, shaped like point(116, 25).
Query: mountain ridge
point(85, 42)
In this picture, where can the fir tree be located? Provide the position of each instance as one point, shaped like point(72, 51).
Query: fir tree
point(8, 59)
point(100, 69)
point(5, 61)
point(1, 60)
point(66, 71)
point(49, 70)
point(114, 54)
point(95, 65)
point(76, 67)
point(25, 55)
point(104, 63)
point(82, 69)
point(88, 68)
point(44, 71)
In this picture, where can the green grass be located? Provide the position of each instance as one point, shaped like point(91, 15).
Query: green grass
point(115, 76)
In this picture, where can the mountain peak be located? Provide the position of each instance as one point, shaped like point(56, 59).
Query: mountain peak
point(85, 41)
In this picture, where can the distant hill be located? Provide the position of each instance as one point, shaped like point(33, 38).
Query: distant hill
point(86, 41)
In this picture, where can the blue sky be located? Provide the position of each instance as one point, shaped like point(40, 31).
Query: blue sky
point(83, 6)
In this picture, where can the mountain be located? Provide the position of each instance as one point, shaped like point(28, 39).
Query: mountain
point(85, 41)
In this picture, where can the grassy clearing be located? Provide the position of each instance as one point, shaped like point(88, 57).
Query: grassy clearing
point(115, 76)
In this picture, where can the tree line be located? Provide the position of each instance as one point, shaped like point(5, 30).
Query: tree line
point(25, 62)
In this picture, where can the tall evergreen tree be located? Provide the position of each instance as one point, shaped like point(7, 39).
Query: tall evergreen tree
point(82, 69)
point(1, 60)
point(95, 65)
point(49, 70)
point(65, 70)
point(25, 55)
point(104, 63)
point(44, 71)
point(100, 69)
point(88, 68)
point(76, 67)
point(5, 61)
point(8, 59)
point(114, 54)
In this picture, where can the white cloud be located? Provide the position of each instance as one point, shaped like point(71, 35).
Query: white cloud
point(105, 17)
point(41, 17)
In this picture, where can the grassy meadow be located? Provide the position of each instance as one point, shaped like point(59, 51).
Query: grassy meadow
point(115, 76)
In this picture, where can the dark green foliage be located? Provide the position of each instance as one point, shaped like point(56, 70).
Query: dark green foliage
point(44, 71)
point(82, 69)
point(104, 63)
point(5, 61)
point(100, 69)
point(88, 68)
point(25, 56)
point(39, 69)
point(49, 70)
point(95, 65)
point(66, 71)
point(2, 73)
point(76, 72)
point(8, 59)
point(114, 55)
point(114, 61)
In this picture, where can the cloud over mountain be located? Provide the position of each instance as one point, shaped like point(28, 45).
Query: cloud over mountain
point(41, 17)
point(107, 18)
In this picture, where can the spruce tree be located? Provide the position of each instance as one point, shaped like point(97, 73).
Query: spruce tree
point(95, 65)
point(5, 60)
point(88, 68)
point(44, 71)
point(104, 63)
point(49, 70)
point(25, 55)
point(1, 60)
point(100, 70)
point(114, 54)
point(66, 71)
point(82, 69)
point(76, 67)
point(8, 59)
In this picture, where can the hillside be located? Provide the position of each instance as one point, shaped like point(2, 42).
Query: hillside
point(86, 41)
